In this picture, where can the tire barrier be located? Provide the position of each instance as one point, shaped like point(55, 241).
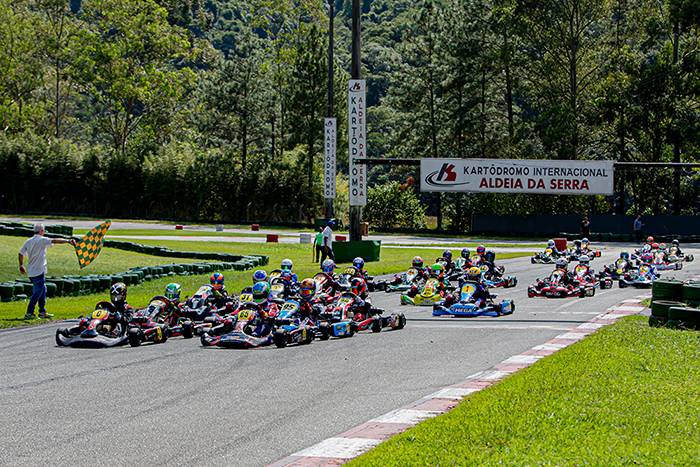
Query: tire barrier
point(675, 304)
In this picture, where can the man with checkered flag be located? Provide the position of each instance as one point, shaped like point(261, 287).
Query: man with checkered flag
point(34, 250)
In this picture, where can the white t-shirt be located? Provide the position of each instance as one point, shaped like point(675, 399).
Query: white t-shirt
point(327, 234)
point(34, 251)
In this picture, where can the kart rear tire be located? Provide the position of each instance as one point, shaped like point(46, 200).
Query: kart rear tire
point(402, 321)
point(166, 333)
point(377, 325)
point(135, 337)
point(188, 329)
point(280, 339)
point(325, 331)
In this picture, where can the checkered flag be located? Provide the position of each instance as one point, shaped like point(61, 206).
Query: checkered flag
point(90, 246)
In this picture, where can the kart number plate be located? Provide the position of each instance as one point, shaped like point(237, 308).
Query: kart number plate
point(246, 297)
point(483, 268)
point(99, 314)
point(277, 288)
point(244, 314)
point(290, 306)
point(350, 271)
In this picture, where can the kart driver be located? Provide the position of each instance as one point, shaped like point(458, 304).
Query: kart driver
point(562, 264)
point(172, 293)
point(291, 285)
point(677, 245)
point(449, 264)
point(467, 261)
point(307, 291)
point(221, 297)
point(362, 301)
point(416, 263)
point(327, 269)
point(288, 264)
point(555, 253)
point(261, 297)
point(584, 260)
point(481, 295)
point(117, 295)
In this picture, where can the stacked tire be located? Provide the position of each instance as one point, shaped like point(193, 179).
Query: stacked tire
point(675, 304)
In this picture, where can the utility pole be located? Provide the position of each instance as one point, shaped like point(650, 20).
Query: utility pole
point(331, 14)
point(355, 73)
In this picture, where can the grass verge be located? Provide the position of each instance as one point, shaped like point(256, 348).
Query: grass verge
point(626, 395)
point(62, 261)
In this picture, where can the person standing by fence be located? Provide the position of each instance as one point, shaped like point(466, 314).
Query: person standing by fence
point(638, 229)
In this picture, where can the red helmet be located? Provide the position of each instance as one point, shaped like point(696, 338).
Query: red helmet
point(357, 286)
point(217, 280)
point(480, 249)
point(307, 288)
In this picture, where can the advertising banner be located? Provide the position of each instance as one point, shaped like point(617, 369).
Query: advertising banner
point(329, 170)
point(357, 142)
point(517, 176)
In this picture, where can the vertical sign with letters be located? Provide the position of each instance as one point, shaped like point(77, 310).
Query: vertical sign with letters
point(329, 170)
point(357, 141)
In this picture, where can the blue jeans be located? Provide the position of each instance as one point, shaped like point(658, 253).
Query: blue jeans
point(38, 295)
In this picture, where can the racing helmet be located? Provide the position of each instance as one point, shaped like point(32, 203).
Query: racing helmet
point(584, 259)
point(328, 266)
point(662, 246)
point(259, 276)
point(577, 243)
point(286, 275)
point(585, 241)
point(650, 239)
point(118, 292)
point(287, 264)
point(172, 292)
point(480, 249)
point(474, 274)
point(359, 263)
point(217, 281)
point(447, 254)
point(655, 246)
point(417, 262)
point(437, 270)
point(624, 254)
point(550, 243)
point(561, 264)
point(465, 253)
point(261, 291)
point(647, 256)
point(357, 286)
point(675, 242)
point(307, 289)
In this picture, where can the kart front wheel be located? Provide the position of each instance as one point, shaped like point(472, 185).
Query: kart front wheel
point(280, 339)
point(135, 337)
point(402, 321)
point(377, 325)
point(188, 329)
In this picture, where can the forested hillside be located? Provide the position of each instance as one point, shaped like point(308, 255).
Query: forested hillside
point(211, 109)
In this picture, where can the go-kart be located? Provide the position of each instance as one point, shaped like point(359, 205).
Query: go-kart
point(661, 263)
point(338, 316)
point(428, 294)
point(674, 255)
point(641, 278)
point(488, 261)
point(154, 323)
point(200, 306)
point(289, 329)
point(554, 287)
point(546, 257)
point(100, 329)
point(373, 319)
point(407, 280)
point(616, 270)
point(242, 335)
point(582, 278)
point(467, 306)
point(323, 284)
point(574, 254)
point(351, 271)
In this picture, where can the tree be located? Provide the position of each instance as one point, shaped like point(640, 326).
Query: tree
point(126, 64)
point(394, 205)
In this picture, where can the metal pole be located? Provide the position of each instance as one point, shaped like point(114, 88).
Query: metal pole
point(331, 16)
point(355, 73)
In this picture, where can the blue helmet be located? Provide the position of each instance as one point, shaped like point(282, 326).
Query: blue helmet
point(259, 276)
point(217, 280)
point(261, 292)
point(328, 266)
point(358, 262)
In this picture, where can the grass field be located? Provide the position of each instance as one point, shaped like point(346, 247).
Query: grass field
point(62, 261)
point(626, 395)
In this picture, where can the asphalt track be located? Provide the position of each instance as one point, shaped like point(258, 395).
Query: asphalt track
point(178, 403)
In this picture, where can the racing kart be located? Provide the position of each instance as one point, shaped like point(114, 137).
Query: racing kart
point(616, 270)
point(100, 329)
point(241, 336)
point(200, 306)
point(581, 277)
point(351, 271)
point(154, 323)
point(428, 294)
point(338, 316)
point(546, 257)
point(288, 328)
point(467, 306)
point(487, 260)
point(674, 255)
point(323, 285)
point(407, 280)
point(661, 263)
point(554, 287)
point(641, 278)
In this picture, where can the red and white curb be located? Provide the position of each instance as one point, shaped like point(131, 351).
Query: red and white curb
point(346, 446)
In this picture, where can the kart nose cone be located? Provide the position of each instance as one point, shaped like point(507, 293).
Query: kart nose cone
point(88, 333)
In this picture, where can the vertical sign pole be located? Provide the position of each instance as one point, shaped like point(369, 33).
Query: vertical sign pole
point(356, 75)
point(329, 169)
point(357, 147)
point(329, 199)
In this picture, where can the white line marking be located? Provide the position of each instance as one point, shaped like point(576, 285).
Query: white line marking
point(572, 336)
point(452, 393)
point(342, 448)
point(407, 416)
point(493, 326)
point(523, 359)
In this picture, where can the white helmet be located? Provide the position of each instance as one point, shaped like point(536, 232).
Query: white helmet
point(583, 259)
point(584, 241)
point(550, 243)
point(287, 264)
point(561, 264)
